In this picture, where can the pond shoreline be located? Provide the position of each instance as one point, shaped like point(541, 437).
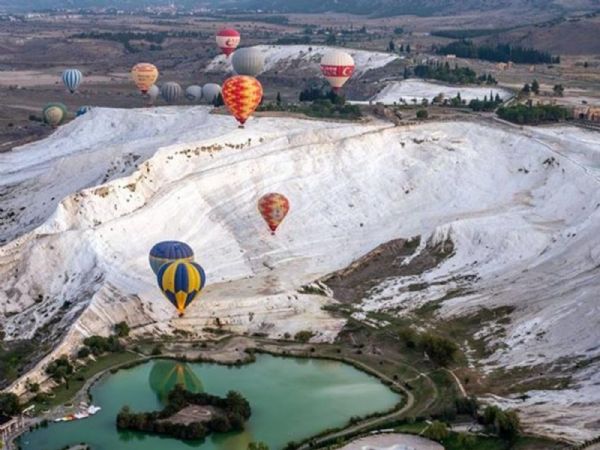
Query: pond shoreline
point(245, 354)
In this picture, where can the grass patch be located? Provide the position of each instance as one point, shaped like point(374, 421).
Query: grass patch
point(61, 394)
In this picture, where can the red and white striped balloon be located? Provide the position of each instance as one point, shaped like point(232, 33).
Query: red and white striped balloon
point(337, 67)
point(228, 40)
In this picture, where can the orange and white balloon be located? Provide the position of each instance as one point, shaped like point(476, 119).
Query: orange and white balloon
point(242, 95)
point(337, 67)
point(144, 76)
point(273, 207)
point(228, 40)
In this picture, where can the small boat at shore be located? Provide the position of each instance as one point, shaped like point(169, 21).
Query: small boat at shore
point(84, 414)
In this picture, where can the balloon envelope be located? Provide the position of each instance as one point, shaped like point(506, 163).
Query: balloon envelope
point(242, 95)
point(181, 282)
point(171, 92)
point(228, 39)
point(273, 207)
point(248, 61)
point(166, 374)
point(54, 114)
point(72, 79)
point(144, 75)
point(168, 252)
point(153, 93)
point(82, 110)
point(210, 92)
point(193, 93)
point(337, 67)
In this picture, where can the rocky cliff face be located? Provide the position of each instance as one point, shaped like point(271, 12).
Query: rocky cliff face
point(520, 207)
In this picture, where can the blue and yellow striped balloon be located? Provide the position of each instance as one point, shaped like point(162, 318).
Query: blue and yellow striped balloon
point(181, 282)
point(72, 79)
point(168, 252)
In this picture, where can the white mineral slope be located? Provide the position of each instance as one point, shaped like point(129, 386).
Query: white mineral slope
point(413, 89)
point(520, 205)
point(287, 58)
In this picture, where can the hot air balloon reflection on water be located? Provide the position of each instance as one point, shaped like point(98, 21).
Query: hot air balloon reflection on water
point(180, 283)
point(273, 207)
point(166, 374)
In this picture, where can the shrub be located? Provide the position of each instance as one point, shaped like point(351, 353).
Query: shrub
point(303, 336)
point(422, 114)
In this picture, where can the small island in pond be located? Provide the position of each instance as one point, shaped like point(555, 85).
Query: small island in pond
point(190, 416)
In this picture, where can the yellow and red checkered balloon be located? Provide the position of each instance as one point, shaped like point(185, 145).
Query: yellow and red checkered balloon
point(273, 207)
point(242, 95)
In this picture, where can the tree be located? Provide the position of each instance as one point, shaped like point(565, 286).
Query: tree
point(437, 431)
point(406, 73)
point(122, 329)
point(9, 404)
point(402, 48)
point(442, 351)
point(303, 336)
point(466, 441)
point(83, 352)
point(508, 426)
point(559, 90)
point(392, 46)
point(279, 98)
point(535, 87)
point(398, 30)
point(422, 114)
point(526, 89)
point(467, 405)
point(407, 48)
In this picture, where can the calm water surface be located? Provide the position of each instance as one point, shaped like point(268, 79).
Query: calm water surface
point(291, 399)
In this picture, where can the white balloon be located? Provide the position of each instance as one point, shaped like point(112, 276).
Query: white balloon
point(337, 67)
point(210, 91)
point(193, 93)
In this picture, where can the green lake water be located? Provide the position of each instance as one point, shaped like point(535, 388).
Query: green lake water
point(291, 399)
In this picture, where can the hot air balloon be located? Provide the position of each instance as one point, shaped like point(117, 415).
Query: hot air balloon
point(54, 114)
point(242, 95)
point(228, 39)
point(82, 110)
point(193, 93)
point(337, 67)
point(168, 252)
point(144, 75)
point(153, 93)
point(273, 207)
point(181, 282)
point(171, 92)
point(248, 61)
point(210, 92)
point(72, 79)
point(166, 374)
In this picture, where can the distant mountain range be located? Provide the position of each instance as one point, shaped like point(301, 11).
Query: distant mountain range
point(363, 7)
